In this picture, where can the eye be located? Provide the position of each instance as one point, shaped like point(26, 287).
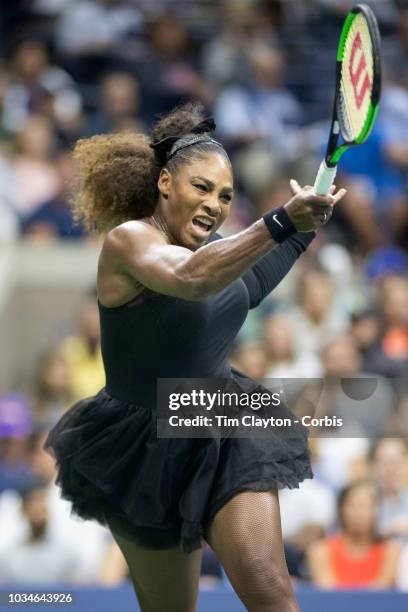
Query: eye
point(200, 186)
point(226, 198)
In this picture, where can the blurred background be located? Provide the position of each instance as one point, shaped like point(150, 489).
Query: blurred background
point(71, 69)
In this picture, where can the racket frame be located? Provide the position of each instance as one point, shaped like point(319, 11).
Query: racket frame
point(334, 153)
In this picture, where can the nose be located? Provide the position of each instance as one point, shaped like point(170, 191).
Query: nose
point(212, 206)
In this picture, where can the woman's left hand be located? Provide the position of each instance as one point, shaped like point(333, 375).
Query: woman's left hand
point(321, 217)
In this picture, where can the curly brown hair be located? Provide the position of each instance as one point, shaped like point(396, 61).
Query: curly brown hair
point(118, 173)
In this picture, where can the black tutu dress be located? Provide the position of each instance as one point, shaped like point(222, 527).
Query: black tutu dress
point(163, 492)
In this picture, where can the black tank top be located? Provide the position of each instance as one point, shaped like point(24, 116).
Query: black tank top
point(157, 336)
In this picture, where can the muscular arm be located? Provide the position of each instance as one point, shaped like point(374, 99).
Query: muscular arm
point(141, 251)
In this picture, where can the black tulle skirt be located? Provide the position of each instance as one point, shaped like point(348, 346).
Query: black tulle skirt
point(161, 492)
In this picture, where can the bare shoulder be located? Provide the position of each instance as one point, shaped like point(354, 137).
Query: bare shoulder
point(116, 284)
point(130, 237)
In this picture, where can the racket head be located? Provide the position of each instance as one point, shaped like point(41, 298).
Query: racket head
point(358, 87)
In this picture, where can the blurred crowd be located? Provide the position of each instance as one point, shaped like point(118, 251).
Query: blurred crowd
point(264, 68)
point(71, 69)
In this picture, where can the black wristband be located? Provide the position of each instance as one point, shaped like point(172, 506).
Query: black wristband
point(279, 224)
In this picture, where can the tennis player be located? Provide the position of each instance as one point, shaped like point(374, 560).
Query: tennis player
point(172, 297)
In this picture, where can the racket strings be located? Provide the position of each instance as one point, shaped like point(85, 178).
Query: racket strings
point(357, 76)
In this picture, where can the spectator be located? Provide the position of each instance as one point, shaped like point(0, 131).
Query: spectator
point(355, 557)
point(15, 427)
point(307, 513)
point(393, 297)
point(374, 182)
point(92, 33)
point(366, 331)
point(285, 360)
point(261, 117)
point(34, 84)
point(225, 56)
point(36, 175)
point(340, 459)
point(316, 319)
point(250, 358)
point(82, 352)
point(390, 469)
point(272, 195)
point(120, 102)
point(365, 402)
point(384, 262)
point(86, 540)
point(52, 388)
point(38, 558)
point(53, 220)
point(171, 59)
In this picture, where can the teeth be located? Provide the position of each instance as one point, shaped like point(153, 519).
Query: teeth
point(204, 221)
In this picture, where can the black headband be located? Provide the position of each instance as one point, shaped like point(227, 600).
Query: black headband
point(168, 147)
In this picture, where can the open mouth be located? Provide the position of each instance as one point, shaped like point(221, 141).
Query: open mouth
point(204, 224)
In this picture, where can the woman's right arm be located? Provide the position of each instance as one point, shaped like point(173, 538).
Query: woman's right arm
point(142, 252)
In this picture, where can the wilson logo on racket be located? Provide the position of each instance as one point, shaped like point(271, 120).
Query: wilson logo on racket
point(360, 79)
point(358, 88)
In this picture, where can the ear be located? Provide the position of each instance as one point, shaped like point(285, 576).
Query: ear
point(164, 183)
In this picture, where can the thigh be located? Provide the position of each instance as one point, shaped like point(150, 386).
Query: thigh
point(163, 579)
point(247, 539)
point(249, 521)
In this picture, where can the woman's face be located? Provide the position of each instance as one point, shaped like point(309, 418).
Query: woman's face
point(278, 336)
point(390, 464)
point(198, 200)
point(359, 511)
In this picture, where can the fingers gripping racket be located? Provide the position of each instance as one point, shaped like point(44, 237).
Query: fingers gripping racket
point(358, 89)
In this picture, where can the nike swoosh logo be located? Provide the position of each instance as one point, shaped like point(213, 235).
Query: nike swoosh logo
point(276, 220)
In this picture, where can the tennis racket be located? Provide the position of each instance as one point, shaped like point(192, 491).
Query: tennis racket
point(358, 89)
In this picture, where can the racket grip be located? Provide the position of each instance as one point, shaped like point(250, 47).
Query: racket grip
point(324, 179)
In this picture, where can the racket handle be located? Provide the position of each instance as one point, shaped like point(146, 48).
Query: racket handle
point(324, 179)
